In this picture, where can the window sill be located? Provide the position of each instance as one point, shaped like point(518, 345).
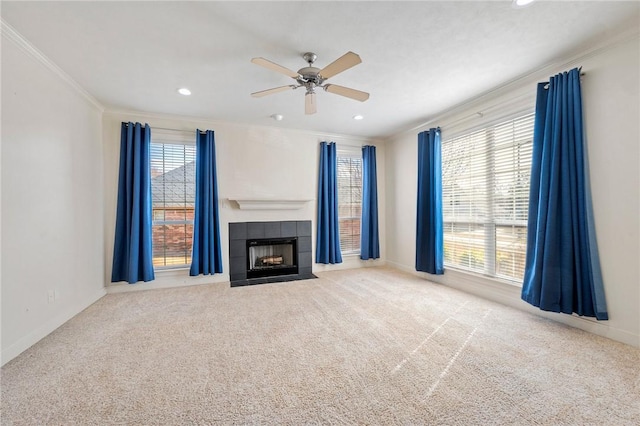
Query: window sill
point(172, 270)
point(350, 254)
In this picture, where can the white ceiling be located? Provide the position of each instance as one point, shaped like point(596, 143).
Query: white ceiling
point(419, 58)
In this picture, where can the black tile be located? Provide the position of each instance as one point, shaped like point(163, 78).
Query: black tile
point(304, 271)
point(272, 229)
point(238, 277)
point(255, 230)
point(306, 276)
point(238, 265)
point(304, 244)
point(304, 228)
point(304, 260)
point(303, 275)
point(238, 248)
point(238, 231)
point(288, 229)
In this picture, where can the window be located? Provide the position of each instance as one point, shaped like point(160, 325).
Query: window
point(173, 195)
point(485, 183)
point(349, 200)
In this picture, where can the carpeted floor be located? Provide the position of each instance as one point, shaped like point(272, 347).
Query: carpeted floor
point(370, 346)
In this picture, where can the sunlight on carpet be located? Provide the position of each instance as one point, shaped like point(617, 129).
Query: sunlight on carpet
point(367, 346)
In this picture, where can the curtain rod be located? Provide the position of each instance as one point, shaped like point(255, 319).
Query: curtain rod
point(582, 73)
point(173, 130)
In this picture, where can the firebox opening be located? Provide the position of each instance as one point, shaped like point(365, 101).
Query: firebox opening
point(272, 257)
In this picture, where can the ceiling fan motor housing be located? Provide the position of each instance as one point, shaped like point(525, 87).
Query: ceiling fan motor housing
point(309, 77)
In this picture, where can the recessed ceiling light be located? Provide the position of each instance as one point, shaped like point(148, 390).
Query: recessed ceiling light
point(184, 91)
point(521, 3)
point(277, 117)
point(358, 117)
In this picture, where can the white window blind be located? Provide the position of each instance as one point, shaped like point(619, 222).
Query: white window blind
point(349, 172)
point(485, 177)
point(173, 197)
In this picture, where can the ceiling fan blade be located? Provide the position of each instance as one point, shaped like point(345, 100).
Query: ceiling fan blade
point(274, 67)
point(271, 91)
point(310, 103)
point(343, 63)
point(347, 92)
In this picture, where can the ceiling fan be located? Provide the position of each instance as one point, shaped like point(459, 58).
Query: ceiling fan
point(311, 77)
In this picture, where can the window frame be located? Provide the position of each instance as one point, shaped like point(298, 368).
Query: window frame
point(351, 152)
point(492, 222)
point(172, 138)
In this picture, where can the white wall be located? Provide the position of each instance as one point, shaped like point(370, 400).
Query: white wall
point(59, 176)
point(59, 187)
point(611, 100)
point(252, 162)
point(52, 200)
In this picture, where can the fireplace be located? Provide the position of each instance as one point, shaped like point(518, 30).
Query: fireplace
point(269, 257)
point(267, 252)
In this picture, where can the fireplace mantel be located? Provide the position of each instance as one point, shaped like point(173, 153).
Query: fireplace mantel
point(269, 203)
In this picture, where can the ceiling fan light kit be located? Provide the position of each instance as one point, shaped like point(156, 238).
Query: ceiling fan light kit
point(310, 102)
point(311, 77)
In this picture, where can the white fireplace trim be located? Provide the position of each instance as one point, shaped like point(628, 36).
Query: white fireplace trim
point(269, 204)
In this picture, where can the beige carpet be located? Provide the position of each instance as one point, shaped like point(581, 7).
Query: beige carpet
point(373, 346)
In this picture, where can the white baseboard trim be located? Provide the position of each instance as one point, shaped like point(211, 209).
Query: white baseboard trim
point(509, 295)
point(348, 262)
point(401, 267)
point(45, 329)
point(170, 278)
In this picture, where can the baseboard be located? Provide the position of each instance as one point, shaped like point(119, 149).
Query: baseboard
point(509, 295)
point(45, 329)
point(401, 267)
point(172, 278)
point(169, 278)
point(348, 262)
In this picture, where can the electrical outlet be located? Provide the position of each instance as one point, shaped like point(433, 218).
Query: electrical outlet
point(52, 296)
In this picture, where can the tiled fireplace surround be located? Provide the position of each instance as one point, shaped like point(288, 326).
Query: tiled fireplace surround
point(240, 232)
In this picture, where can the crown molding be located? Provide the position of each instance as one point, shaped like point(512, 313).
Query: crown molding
point(9, 33)
point(516, 85)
